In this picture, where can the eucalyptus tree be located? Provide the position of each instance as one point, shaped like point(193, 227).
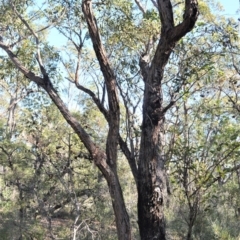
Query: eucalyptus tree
point(46, 191)
point(79, 23)
point(202, 128)
point(203, 157)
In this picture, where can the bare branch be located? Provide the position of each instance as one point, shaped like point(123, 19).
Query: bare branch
point(38, 57)
point(140, 6)
point(95, 99)
point(129, 153)
point(130, 158)
point(17, 100)
point(27, 36)
point(154, 4)
point(171, 103)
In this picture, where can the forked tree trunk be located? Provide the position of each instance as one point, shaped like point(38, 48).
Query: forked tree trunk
point(151, 179)
point(152, 185)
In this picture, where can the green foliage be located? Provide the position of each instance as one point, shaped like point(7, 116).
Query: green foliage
point(48, 182)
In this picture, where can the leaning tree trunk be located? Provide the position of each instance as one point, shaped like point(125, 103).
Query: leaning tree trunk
point(152, 185)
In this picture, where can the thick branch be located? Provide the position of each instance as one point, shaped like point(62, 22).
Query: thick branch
point(38, 80)
point(154, 4)
point(189, 19)
point(101, 56)
point(140, 6)
point(97, 154)
point(170, 34)
point(166, 15)
point(110, 80)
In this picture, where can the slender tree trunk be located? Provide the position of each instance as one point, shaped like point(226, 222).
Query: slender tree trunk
point(189, 234)
point(121, 215)
point(191, 219)
point(11, 116)
point(21, 215)
point(113, 118)
point(193, 211)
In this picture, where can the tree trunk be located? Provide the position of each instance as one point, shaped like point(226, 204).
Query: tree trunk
point(121, 215)
point(152, 183)
point(152, 179)
point(151, 186)
point(189, 234)
point(192, 219)
point(113, 118)
point(106, 164)
point(11, 116)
